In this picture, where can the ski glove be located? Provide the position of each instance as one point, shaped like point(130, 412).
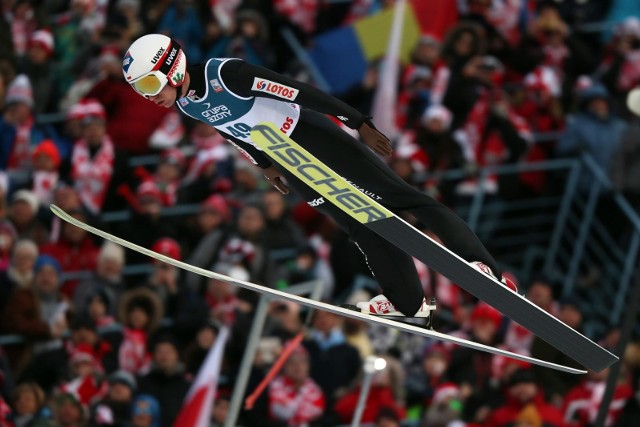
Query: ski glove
point(375, 139)
point(275, 178)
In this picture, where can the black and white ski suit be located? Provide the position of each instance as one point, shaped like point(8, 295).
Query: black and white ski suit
point(223, 87)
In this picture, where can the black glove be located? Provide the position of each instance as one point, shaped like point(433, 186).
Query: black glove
point(275, 177)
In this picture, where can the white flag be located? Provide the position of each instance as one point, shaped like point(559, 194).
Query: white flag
point(386, 96)
point(197, 406)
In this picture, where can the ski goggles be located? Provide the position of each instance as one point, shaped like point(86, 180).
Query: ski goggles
point(154, 81)
point(150, 84)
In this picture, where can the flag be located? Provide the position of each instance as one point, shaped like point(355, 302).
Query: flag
point(197, 406)
point(384, 100)
point(342, 55)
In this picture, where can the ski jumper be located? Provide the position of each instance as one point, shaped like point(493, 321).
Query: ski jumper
point(233, 96)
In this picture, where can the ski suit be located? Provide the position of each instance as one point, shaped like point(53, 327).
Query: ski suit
point(233, 96)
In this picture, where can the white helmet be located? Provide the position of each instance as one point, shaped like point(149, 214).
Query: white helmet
point(151, 62)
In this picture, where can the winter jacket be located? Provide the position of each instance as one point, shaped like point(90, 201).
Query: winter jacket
point(73, 257)
point(379, 397)
point(511, 412)
point(168, 389)
point(587, 134)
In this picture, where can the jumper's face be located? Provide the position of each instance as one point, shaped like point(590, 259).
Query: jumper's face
point(166, 98)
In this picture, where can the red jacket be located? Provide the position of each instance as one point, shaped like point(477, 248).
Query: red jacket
point(131, 119)
point(509, 413)
point(379, 396)
point(582, 403)
point(73, 257)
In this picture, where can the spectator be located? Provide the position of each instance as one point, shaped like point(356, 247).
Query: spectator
point(220, 296)
point(220, 411)
point(18, 128)
point(445, 407)
point(280, 231)
point(541, 105)
point(422, 384)
point(334, 363)
point(558, 384)
point(86, 377)
point(581, 406)
point(29, 404)
point(471, 369)
point(250, 246)
point(116, 408)
point(23, 213)
point(19, 273)
point(85, 339)
point(454, 84)
point(249, 40)
point(248, 184)
point(167, 176)
point(96, 168)
point(381, 394)
point(146, 412)
point(74, 250)
point(432, 150)
point(67, 411)
point(619, 69)
point(387, 417)
point(38, 313)
point(525, 404)
point(181, 22)
point(130, 119)
point(166, 381)
point(140, 312)
point(8, 237)
point(594, 130)
point(164, 280)
point(294, 398)
point(146, 224)
point(212, 230)
point(196, 353)
point(46, 163)
point(549, 42)
point(492, 132)
point(106, 278)
point(39, 68)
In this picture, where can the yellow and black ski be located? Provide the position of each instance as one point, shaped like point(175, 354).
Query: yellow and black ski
point(338, 191)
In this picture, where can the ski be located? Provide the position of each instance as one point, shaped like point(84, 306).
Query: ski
point(367, 211)
point(318, 305)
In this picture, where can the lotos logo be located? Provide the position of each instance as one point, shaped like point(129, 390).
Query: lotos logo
point(286, 125)
point(157, 56)
point(276, 89)
point(126, 63)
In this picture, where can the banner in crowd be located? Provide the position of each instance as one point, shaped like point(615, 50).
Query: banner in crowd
point(197, 407)
point(342, 55)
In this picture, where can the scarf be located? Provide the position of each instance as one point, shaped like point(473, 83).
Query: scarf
point(22, 280)
point(296, 406)
point(20, 157)
point(43, 185)
point(629, 75)
point(92, 174)
point(133, 356)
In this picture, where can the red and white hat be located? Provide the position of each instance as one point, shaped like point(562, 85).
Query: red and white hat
point(169, 247)
point(87, 108)
point(20, 91)
point(43, 39)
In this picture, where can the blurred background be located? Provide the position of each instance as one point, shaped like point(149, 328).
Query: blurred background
point(511, 112)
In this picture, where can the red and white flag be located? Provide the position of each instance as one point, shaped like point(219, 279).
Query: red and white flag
point(386, 96)
point(197, 406)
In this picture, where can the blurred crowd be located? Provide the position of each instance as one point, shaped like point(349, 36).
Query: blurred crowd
point(112, 338)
